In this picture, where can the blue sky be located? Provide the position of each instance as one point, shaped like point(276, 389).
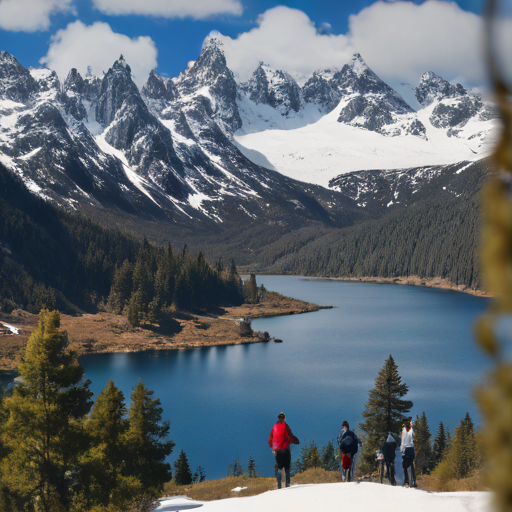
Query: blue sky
point(172, 36)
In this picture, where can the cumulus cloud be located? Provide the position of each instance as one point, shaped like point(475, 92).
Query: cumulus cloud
point(285, 39)
point(398, 40)
point(196, 9)
point(402, 40)
point(97, 45)
point(31, 15)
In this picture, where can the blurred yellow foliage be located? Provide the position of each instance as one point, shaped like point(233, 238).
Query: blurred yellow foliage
point(495, 398)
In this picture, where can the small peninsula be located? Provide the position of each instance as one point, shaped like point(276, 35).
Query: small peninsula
point(106, 332)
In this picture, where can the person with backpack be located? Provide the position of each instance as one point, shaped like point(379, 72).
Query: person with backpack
point(388, 449)
point(348, 444)
point(279, 440)
point(407, 450)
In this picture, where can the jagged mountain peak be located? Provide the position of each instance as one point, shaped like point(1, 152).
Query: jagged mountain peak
point(211, 58)
point(16, 82)
point(432, 87)
point(272, 87)
point(159, 88)
point(74, 82)
point(358, 64)
point(117, 88)
point(8, 58)
point(121, 64)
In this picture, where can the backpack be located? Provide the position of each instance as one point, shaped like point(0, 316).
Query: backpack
point(348, 444)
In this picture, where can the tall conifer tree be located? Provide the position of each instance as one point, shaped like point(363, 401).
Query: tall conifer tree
point(42, 430)
point(251, 468)
point(182, 473)
point(146, 440)
point(423, 448)
point(385, 411)
point(440, 445)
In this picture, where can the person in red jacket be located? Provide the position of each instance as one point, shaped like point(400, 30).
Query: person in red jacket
point(279, 440)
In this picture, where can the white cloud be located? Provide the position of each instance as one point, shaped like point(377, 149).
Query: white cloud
point(401, 40)
point(285, 39)
point(30, 15)
point(398, 40)
point(197, 9)
point(79, 45)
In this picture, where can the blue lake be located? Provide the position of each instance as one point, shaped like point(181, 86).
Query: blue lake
point(223, 401)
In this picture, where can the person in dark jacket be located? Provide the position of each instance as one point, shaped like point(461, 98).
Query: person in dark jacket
point(348, 444)
point(388, 449)
point(279, 440)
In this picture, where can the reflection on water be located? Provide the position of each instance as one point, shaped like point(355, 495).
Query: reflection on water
point(223, 401)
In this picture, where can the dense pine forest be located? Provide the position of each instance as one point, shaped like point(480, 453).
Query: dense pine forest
point(50, 258)
point(437, 235)
point(434, 238)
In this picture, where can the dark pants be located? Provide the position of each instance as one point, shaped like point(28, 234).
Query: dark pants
point(390, 470)
point(283, 460)
point(408, 461)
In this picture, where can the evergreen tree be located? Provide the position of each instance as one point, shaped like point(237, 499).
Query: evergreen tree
point(235, 468)
point(42, 430)
point(385, 411)
point(423, 456)
point(100, 468)
point(182, 473)
point(251, 468)
point(201, 474)
point(440, 445)
point(146, 443)
point(329, 457)
point(251, 290)
point(464, 448)
point(309, 457)
point(462, 454)
point(121, 289)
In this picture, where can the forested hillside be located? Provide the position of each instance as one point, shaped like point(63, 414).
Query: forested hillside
point(60, 260)
point(435, 237)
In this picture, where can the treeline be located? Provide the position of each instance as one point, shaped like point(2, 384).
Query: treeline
point(160, 281)
point(56, 457)
point(50, 258)
point(434, 238)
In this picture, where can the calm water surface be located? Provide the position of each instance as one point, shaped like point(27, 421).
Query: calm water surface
point(223, 401)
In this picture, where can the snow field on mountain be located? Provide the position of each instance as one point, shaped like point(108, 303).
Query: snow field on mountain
point(317, 152)
point(353, 497)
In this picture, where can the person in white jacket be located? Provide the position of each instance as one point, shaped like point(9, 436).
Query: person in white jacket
point(407, 449)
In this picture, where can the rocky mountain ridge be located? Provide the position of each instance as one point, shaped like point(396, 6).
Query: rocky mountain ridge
point(168, 151)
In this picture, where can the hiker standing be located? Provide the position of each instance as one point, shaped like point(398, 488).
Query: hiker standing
point(348, 444)
point(388, 449)
point(407, 450)
point(279, 440)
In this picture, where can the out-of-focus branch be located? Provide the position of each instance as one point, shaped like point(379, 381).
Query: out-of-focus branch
point(495, 398)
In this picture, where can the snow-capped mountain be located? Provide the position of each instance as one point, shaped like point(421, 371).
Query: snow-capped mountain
point(201, 146)
point(167, 151)
point(350, 120)
point(382, 191)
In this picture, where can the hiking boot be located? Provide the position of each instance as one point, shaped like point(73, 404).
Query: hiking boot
point(414, 484)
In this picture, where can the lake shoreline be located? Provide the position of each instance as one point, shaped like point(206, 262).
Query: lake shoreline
point(423, 282)
point(108, 333)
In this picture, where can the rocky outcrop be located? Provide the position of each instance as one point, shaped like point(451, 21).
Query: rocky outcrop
point(274, 88)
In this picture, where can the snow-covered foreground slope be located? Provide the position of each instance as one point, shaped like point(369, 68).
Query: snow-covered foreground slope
point(353, 497)
point(322, 150)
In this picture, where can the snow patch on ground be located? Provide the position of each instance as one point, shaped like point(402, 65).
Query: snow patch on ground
point(354, 497)
point(14, 330)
